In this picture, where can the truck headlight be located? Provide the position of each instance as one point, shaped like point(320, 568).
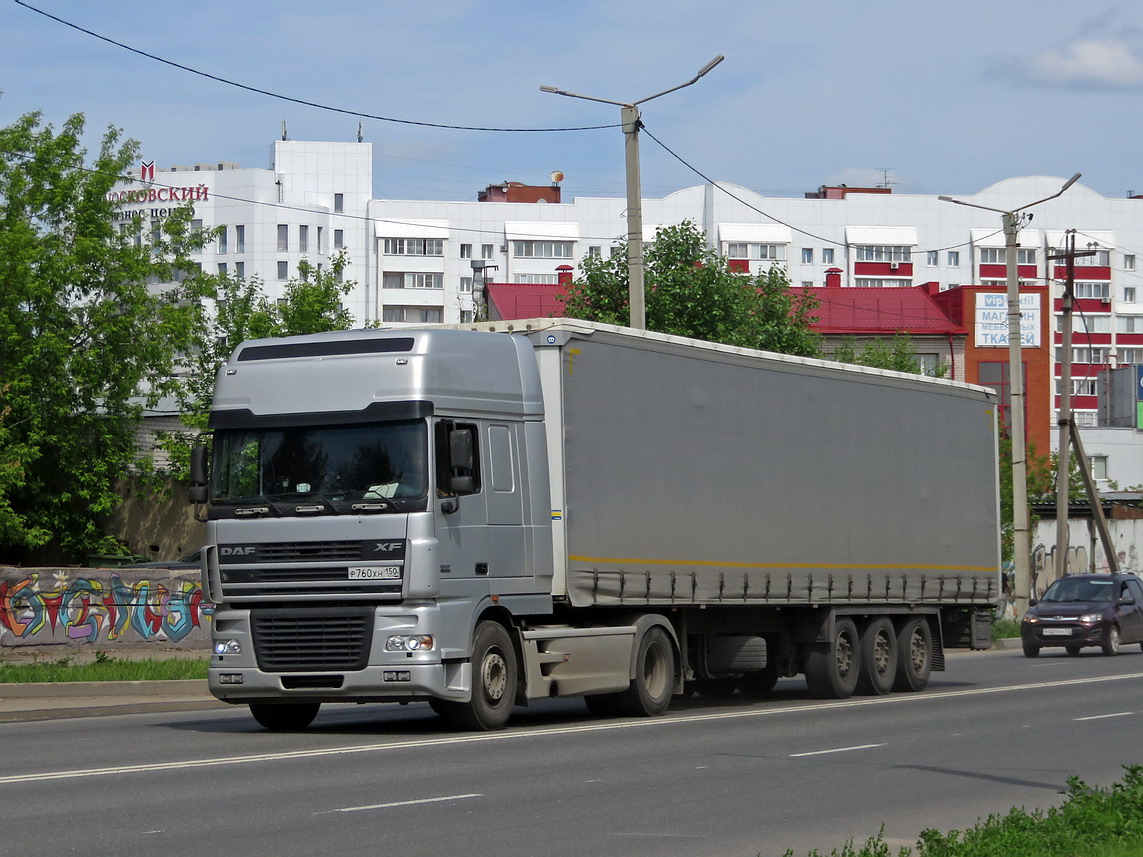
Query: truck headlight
point(411, 643)
point(227, 647)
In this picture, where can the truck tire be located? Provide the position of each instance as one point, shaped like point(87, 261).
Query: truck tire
point(878, 658)
point(761, 682)
point(914, 655)
point(832, 668)
point(649, 693)
point(285, 718)
point(494, 671)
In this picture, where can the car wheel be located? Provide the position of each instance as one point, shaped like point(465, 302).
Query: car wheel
point(1031, 650)
point(1111, 641)
point(1072, 650)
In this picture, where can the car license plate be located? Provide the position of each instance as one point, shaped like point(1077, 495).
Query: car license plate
point(1056, 632)
point(384, 572)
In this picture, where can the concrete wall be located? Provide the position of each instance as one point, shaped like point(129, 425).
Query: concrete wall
point(1085, 551)
point(103, 608)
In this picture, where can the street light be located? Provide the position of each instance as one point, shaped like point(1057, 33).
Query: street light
point(630, 120)
point(1021, 540)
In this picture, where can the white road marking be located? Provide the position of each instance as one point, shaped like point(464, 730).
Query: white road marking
point(1104, 716)
point(510, 735)
point(398, 803)
point(835, 750)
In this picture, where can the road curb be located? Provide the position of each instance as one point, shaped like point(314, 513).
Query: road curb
point(58, 689)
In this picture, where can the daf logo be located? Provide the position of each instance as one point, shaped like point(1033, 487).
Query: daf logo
point(249, 550)
point(388, 547)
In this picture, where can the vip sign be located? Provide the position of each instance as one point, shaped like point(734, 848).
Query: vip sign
point(992, 320)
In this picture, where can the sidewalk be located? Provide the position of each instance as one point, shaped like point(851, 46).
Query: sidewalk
point(57, 700)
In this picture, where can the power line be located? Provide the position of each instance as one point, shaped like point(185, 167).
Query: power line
point(293, 100)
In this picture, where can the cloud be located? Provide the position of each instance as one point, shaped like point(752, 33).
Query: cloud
point(1089, 62)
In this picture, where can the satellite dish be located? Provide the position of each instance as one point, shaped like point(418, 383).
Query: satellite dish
point(557, 176)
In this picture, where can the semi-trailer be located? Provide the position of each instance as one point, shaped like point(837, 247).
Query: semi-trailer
point(481, 516)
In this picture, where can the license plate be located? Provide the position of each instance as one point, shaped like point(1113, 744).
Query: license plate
point(1056, 632)
point(384, 572)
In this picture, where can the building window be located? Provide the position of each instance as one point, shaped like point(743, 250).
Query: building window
point(1129, 294)
point(999, 256)
point(240, 270)
point(338, 238)
point(807, 255)
point(1098, 466)
point(1129, 262)
point(339, 202)
point(1130, 356)
point(1085, 355)
point(1128, 323)
point(764, 252)
point(542, 249)
point(932, 258)
point(239, 239)
point(467, 316)
point(283, 270)
point(466, 251)
point(283, 237)
point(222, 268)
point(485, 251)
point(303, 239)
point(595, 252)
point(414, 247)
point(807, 284)
point(222, 240)
point(954, 258)
point(466, 285)
point(827, 256)
point(410, 280)
point(1092, 290)
point(882, 283)
point(418, 314)
point(996, 376)
point(536, 279)
point(883, 253)
point(319, 239)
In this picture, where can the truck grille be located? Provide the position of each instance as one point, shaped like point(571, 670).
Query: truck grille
point(314, 639)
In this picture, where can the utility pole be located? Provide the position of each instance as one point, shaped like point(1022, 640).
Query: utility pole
point(1021, 536)
point(631, 124)
point(1069, 433)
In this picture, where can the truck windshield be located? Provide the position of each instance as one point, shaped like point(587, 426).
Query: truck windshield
point(355, 463)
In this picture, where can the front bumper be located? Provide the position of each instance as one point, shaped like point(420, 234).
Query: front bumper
point(388, 683)
point(1062, 634)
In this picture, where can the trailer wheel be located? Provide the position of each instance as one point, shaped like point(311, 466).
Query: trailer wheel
point(878, 658)
point(649, 694)
point(914, 655)
point(832, 668)
point(494, 673)
point(285, 718)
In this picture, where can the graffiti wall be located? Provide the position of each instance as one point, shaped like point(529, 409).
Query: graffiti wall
point(106, 608)
point(1085, 550)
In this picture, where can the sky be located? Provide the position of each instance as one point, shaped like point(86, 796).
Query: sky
point(927, 97)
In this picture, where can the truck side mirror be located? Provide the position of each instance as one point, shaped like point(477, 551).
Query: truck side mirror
point(198, 475)
point(462, 461)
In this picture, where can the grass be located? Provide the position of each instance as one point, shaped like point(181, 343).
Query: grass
point(1003, 629)
point(105, 668)
point(1091, 822)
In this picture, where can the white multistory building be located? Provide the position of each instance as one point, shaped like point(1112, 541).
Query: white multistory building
point(416, 261)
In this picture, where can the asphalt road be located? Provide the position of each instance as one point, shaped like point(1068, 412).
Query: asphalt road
point(732, 778)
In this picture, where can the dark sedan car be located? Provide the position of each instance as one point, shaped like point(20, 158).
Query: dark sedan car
point(1104, 610)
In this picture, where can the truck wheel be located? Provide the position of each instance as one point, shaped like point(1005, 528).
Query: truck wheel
point(914, 656)
point(832, 668)
point(650, 691)
point(1111, 641)
point(878, 658)
point(285, 718)
point(494, 673)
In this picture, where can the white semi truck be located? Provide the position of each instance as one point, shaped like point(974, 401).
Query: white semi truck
point(481, 516)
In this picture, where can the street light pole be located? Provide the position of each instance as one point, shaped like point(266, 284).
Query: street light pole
point(1021, 536)
point(630, 118)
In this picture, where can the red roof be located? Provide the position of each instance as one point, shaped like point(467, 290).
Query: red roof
point(880, 311)
point(507, 301)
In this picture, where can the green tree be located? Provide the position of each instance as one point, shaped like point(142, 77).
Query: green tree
point(691, 292)
point(84, 342)
point(897, 355)
point(311, 303)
